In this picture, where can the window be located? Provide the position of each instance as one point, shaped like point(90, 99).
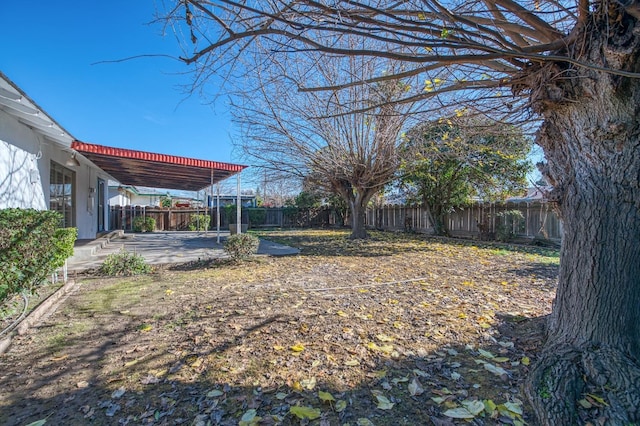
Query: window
point(62, 193)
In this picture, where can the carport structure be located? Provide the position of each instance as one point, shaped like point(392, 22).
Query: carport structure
point(140, 168)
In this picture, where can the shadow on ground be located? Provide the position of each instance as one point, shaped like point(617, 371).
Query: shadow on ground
point(173, 387)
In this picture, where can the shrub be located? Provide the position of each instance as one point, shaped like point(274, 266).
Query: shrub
point(165, 202)
point(241, 246)
point(144, 224)
point(257, 216)
point(199, 222)
point(32, 246)
point(231, 212)
point(124, 263)
point(149, 224)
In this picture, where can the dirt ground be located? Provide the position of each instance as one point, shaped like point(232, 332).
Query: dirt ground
point(396, 330)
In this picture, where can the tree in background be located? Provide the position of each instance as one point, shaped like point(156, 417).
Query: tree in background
point(574, 65)
point(315, 135)
point(453, 160)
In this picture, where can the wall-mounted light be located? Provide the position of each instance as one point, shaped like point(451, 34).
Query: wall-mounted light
point(34, 176)
point(72, 161)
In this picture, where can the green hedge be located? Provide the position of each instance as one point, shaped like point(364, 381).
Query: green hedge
point(32, 246)
point(199, 222)
point(144, 224)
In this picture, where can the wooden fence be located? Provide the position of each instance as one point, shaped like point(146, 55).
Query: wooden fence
point(178, 219)
point(479, 221)
point(174, 219)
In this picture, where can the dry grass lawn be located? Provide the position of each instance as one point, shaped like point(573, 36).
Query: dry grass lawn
point(396, 330)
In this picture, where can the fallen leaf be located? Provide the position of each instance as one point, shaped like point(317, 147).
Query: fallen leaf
point(513, 407)
point(525, 360)
point(214, 393)
point(352, 362)
point(384, 403)
point(250, 418)
point(384, 338)
point(498, 371)
point(474, 407)
point(297, 347)
point(118, 393)
point(459, 413)
point(595, 399)
point(325, 396)
point(305, 412)
point(585, 404)
point(486, 354)
point(341, 404)
point(415, 388)
point(38, 422)
point(489, 406)
point(60, 358)
point(308, 384)
point(362, 421)
point(384, 348)
point(400, 380)
point(112, 409)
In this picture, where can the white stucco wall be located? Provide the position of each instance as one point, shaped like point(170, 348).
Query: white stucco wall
point(25, 164)
point(21, 182)
point(145, 200)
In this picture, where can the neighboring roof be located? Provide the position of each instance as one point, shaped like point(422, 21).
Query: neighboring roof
point(142, 191)
point(16, 103)
point(140, 168)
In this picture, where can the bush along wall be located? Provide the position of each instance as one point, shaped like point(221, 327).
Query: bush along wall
point(32, 246)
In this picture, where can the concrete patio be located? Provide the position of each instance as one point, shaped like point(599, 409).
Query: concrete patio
point(161, 248)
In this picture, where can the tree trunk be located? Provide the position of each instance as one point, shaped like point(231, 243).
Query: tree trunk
point(358, 206)
point(593, 347)
point(438, 219)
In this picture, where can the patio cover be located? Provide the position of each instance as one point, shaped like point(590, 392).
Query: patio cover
point(140, 168)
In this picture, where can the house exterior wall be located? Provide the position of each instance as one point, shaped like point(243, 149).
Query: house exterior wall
point(25, 166)
point(145, 200)
point(21, 180)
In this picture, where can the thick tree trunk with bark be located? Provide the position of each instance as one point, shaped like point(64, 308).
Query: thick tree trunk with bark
point(358, 229)
point(357, 201)
point(591, 141)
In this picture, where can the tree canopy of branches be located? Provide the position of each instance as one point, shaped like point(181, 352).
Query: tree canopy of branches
point(455, 159)
point(313, 135)
point(573, 65)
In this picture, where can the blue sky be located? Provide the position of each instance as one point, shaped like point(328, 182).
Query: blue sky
point(48, 48)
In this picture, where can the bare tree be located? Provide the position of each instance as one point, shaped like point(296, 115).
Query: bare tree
point(314, 135)
point(575, 65)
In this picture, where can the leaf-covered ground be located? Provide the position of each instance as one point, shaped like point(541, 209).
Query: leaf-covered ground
point(395, 330)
